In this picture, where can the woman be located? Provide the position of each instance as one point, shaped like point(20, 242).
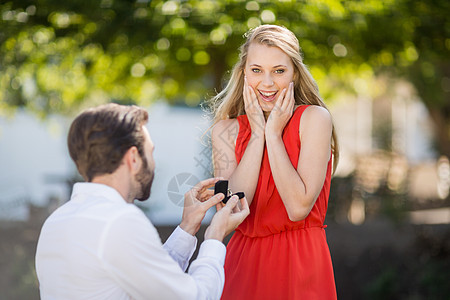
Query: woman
point(274, 139)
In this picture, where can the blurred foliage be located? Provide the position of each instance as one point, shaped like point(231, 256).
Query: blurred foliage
point(56, 56)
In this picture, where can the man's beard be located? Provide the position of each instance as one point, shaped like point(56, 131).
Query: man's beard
point(145, 180)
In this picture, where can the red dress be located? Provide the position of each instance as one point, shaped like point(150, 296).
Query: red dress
point(269, 256)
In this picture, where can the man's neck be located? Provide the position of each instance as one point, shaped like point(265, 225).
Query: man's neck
point(116, 182)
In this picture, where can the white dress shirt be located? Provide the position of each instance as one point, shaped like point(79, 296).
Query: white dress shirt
point(97, 246)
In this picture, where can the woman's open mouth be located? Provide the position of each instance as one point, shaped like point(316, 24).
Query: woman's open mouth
point(268, 96)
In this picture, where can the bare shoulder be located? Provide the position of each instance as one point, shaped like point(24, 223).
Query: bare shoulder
point(316, 118)
point(226, 129)
point(316, 115)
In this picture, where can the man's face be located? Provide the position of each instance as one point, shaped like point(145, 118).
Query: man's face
point(145, 176)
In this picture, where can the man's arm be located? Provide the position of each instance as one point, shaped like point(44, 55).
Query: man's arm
point(133, 255)
point(182, 242)
point(181, 246)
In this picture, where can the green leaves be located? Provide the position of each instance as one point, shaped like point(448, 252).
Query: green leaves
point(58, 55)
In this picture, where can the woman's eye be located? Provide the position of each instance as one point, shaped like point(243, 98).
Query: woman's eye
point(279, 71)
point(256, 70)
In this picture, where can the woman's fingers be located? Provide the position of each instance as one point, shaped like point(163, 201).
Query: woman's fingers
point(253, 95)
point(290, 100)
point(245, 93)
point(248, 101)
point(250, 96)
point(280, 100)
point(286, 101)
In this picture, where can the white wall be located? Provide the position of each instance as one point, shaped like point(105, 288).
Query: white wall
point(176, 133)
point(33, 158)
point(34, 161)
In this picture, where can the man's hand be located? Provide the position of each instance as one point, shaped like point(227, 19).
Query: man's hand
point(227, 218)
point(197, 201)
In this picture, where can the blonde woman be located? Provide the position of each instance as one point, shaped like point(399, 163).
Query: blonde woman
point(273, 138)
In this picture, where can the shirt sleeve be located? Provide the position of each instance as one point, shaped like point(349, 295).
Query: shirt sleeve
point(209, 264)
point(132, 253)
point(181, 246)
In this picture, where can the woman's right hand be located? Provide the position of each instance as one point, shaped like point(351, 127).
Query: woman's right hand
point(253, 110)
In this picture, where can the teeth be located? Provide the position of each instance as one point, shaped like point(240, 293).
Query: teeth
point(268, 94)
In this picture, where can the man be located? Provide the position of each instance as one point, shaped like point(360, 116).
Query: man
point(101, 246)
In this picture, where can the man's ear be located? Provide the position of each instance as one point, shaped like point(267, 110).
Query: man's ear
point(133, 160)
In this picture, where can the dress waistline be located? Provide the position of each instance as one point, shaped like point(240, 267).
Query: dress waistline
point(280, 232)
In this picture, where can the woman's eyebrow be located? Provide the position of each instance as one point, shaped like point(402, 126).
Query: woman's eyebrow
point(274, 67)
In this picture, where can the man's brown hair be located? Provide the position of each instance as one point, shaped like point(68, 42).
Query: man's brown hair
point(99, 138)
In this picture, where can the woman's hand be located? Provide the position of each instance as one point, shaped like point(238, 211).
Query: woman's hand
point(281, 113)
point(253, 110)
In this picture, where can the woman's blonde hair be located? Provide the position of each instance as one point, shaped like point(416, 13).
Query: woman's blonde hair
point(229, 103)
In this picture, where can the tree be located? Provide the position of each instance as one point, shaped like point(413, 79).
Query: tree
point(56, 56)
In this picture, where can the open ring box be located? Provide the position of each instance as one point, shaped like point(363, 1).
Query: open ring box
point(221, 186)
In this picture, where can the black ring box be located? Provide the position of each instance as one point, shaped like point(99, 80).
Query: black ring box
point(221, 186)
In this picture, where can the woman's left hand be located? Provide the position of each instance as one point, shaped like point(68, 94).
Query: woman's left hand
point(281, 113)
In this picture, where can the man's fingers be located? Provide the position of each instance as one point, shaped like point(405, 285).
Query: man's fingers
point(213, 200)
point(231, 203)
point(244, 204)
point(245, 210)
point(203, 185)
point(219, 206)
point(205, 195)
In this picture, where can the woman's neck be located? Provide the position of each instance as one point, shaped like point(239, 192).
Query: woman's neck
point(267, 113)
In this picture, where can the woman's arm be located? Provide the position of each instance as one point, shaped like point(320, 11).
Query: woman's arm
point(242, 177)
point(299, 188)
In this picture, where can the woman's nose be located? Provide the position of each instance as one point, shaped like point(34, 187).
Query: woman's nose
point(267, 80)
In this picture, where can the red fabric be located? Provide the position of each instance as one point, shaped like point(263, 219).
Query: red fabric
point(269, 256)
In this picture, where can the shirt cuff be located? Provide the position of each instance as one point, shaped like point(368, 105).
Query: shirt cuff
point(214, 249)
point(181, 241)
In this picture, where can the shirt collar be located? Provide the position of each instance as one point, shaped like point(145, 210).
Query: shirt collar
point(98, 190)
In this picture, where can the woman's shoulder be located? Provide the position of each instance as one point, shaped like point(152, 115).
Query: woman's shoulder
point(227, 127)
point(316, 117)
point(225, 123)
point(316, 112)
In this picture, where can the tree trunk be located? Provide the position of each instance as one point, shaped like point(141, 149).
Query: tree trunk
point(442, 129)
